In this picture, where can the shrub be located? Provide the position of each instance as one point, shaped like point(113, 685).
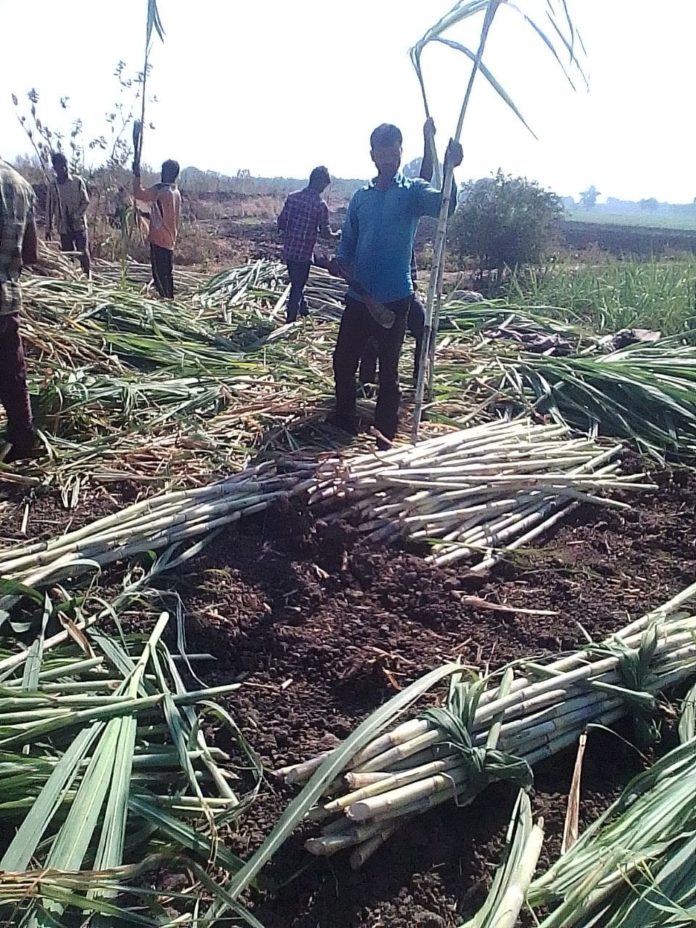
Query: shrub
point(503, 222)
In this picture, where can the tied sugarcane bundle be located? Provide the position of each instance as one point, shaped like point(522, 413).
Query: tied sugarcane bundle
point(635, 864)
point(104, 760)
point(474, 493)
point(498, 728)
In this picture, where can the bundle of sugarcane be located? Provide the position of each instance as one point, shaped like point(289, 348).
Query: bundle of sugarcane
point(472, 491)
point(634, 866)
point(234, 285)
point(53, 263)
point(150, 525)
point(325, 293)
point(499, 727)
point(103, 756)
point(133, 271)
point(641, 393)
point(267, 283)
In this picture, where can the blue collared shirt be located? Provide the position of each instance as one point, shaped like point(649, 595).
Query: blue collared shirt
point(378, 234)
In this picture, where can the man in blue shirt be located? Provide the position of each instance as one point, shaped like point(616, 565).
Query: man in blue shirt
point(375, 258)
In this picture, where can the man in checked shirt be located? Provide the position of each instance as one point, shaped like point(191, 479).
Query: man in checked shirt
point(303, 217)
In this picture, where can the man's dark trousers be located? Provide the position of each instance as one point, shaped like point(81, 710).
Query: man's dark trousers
point(298, 272)
point(415, 326)
point(13, 386)
point(357, 327)
point(163, 270)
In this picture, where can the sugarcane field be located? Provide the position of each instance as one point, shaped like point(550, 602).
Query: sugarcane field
point(347, 526)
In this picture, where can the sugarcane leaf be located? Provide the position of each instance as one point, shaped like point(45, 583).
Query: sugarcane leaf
point(548, 43)
point(24, 844)
point(32, 666)
point(110, 850)
point(687, 720)
point(70, 845)
point(223, 901)
point(518, 833)
point(10, 587)
point(154, 23)
point(144, 804)
point(492, 80)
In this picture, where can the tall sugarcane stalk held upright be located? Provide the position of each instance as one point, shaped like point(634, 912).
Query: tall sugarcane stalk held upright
point(153, 24)
point(563, 34)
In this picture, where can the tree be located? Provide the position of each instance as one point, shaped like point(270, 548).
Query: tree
point(588, 198)
point(505, 221)
point(650, 205)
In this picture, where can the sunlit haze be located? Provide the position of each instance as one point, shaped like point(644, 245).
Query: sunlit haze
point(277, 87)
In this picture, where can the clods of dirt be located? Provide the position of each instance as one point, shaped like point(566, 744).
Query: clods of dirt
point(322, 628)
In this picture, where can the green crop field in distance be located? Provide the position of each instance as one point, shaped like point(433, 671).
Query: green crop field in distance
point(657, 220)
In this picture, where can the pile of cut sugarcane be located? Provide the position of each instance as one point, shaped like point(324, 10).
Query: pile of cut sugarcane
point(104, 758)
point(635, 864)
point(158, 522)
point(265, 282)
point(498, 727)
point(476, 492)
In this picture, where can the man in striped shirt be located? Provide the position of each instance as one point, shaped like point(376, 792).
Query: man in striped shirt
point(18, 247)
point(67, 208)
point(304, 216)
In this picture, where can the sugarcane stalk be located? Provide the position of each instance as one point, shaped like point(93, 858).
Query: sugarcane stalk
point(435, 284)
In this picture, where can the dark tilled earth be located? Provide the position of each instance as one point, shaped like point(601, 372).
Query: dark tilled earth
point(323, 629)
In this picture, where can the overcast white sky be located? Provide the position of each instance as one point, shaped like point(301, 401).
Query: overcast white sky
point(277, 86)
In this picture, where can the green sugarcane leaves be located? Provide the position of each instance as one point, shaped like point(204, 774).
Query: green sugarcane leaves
point(687, 720)
point(154, 22)
point(511, 880)
point(645, 395)
point(458, 14)
point(562, 32)
point(153, 25)
point(128, 771)
point(633, 867)
point(482, 765)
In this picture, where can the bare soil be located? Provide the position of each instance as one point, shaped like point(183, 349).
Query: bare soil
point(322, 629)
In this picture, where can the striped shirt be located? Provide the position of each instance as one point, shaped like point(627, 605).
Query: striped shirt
point(16, 212)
